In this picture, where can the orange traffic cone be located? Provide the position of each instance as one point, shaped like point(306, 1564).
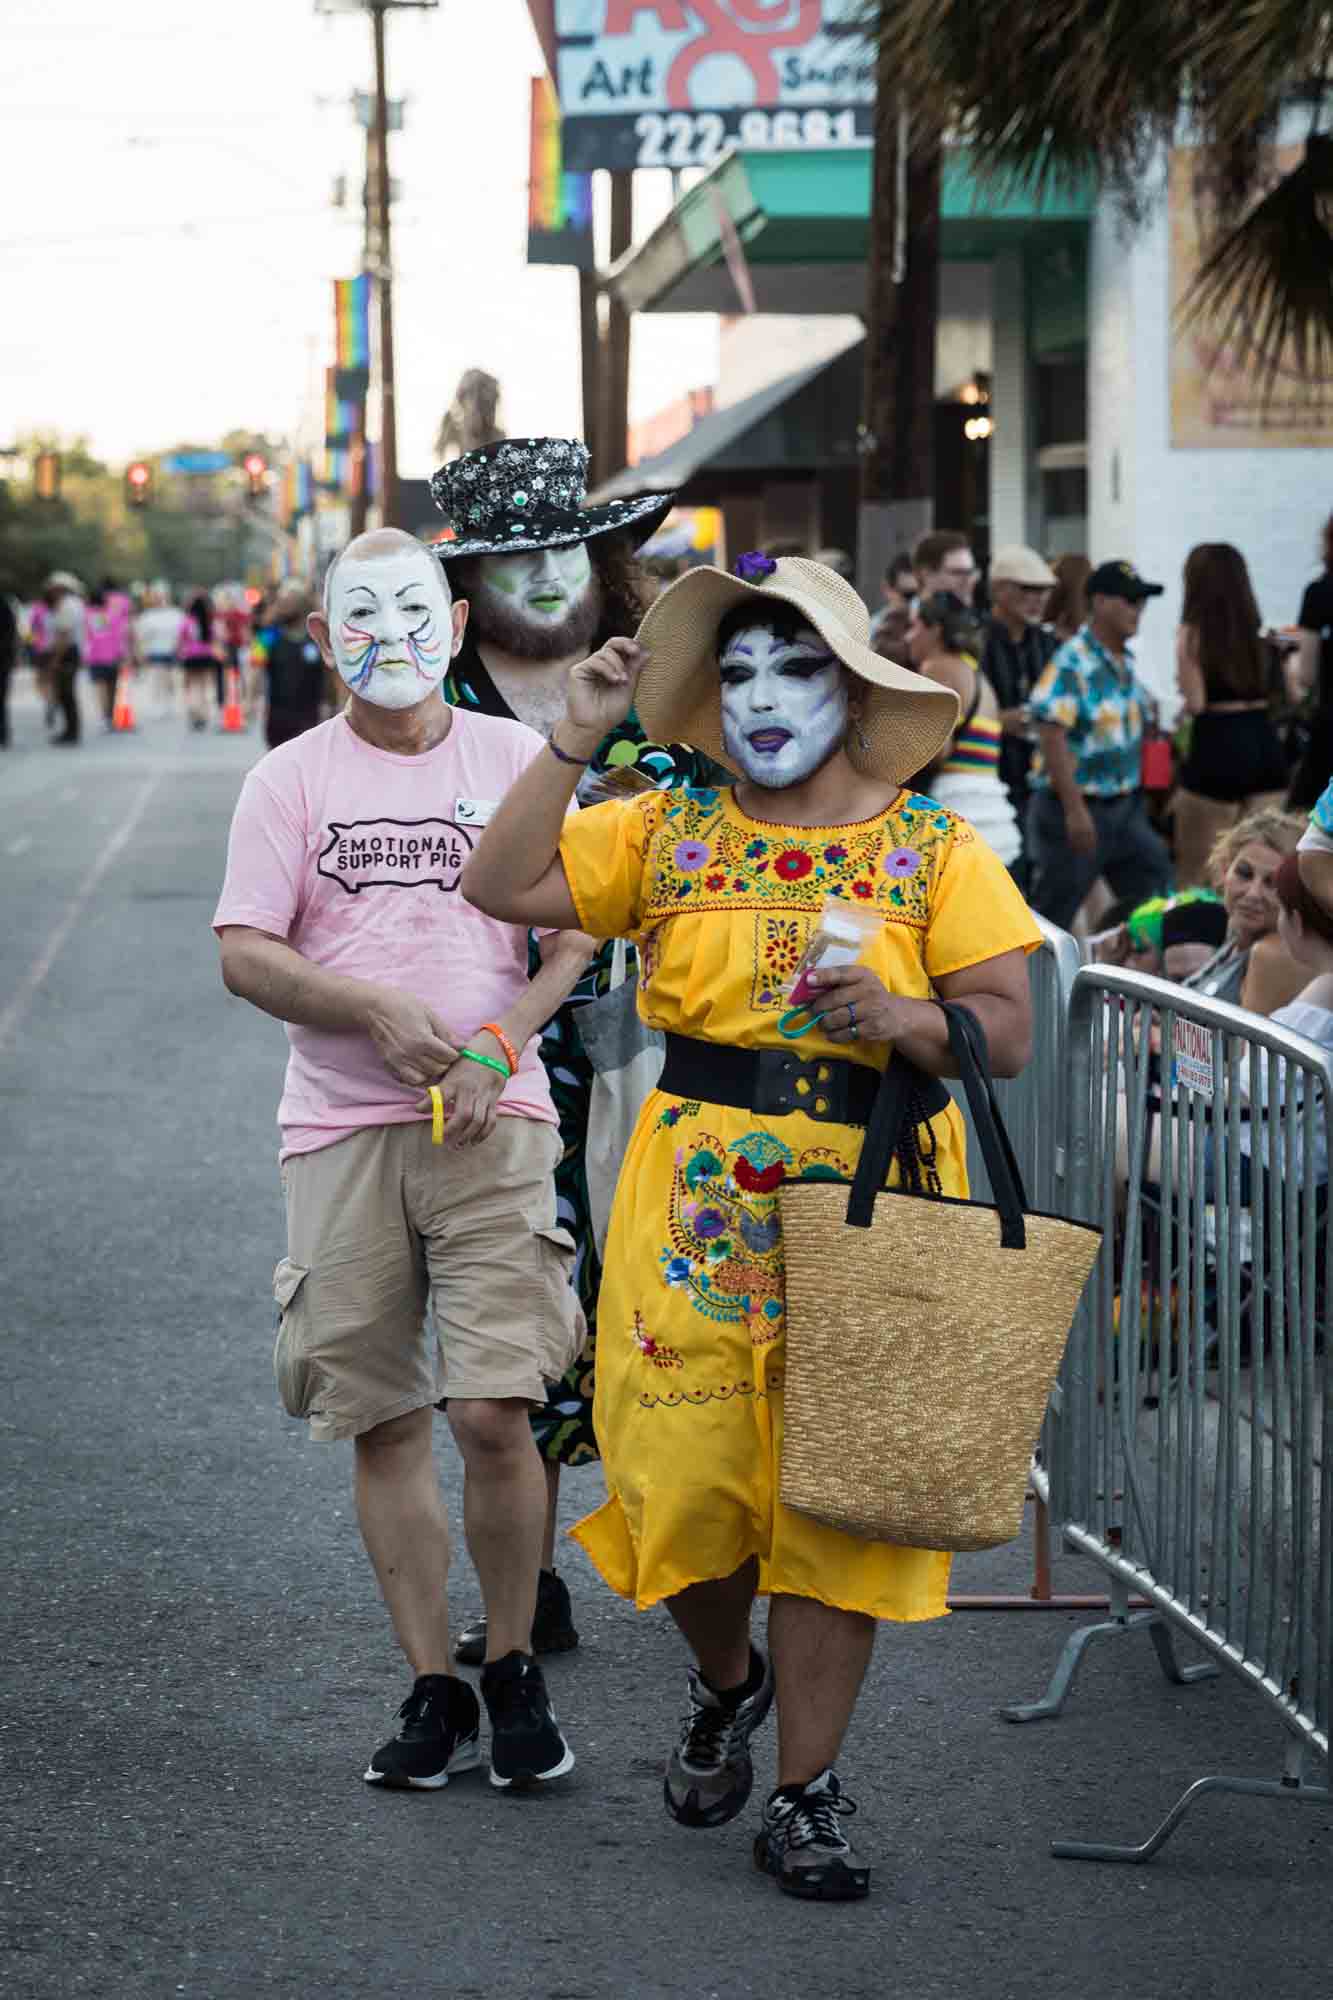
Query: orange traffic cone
point(233, 715)
point(122, 715)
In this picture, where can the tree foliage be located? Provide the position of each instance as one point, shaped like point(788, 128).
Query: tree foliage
point(1046, 95)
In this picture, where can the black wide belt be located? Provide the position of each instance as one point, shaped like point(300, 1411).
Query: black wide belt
point(775, 1082)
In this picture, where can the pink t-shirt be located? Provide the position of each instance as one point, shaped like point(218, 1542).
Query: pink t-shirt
point(353, 855)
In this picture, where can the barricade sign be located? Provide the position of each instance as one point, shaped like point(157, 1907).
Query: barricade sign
point(1192, 1057)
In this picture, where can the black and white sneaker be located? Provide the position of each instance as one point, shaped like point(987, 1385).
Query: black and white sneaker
point(439, 1737)
point(526, 1744)
point(552, 1624)
point(709, 1775)
point(802, 1843)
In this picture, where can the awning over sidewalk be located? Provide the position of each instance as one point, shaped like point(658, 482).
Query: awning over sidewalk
point(804, 420)
point(803, 220)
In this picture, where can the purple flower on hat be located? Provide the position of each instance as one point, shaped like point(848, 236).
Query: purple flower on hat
point(689, 855)
point(755, 566)
point(902, 861)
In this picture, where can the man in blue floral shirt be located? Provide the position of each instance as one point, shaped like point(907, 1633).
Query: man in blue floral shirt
point(1086, 817)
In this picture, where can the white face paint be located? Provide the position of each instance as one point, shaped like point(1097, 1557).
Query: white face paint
point(390, 626)
point(538, 589)
point(784, 705)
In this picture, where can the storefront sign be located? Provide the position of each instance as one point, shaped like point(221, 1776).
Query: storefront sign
point(672, 83)
point(1216, 395)
point(1192, 1057)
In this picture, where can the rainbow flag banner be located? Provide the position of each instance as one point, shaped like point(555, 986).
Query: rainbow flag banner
point(559, 203)
point(351, 321)
point(298, 489)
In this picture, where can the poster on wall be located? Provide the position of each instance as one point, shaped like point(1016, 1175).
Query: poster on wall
point(1216, 397)
point(673, 83)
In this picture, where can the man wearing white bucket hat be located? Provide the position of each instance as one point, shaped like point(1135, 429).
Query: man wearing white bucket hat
point(726, 889)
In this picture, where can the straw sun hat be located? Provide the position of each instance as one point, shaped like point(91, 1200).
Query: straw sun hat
point(905, 719)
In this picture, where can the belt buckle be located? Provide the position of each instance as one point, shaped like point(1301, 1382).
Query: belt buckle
point(814, 1086)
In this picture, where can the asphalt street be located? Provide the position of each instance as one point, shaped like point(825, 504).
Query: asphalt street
point(195, 1661)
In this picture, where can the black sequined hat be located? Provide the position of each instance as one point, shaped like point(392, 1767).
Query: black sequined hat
point(528, 493)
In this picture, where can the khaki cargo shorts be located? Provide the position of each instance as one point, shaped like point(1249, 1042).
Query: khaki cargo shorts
point(382, 1226)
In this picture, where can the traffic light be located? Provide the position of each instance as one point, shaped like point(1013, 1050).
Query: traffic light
point(46, 475)
point(256, 471)
point(138, 483)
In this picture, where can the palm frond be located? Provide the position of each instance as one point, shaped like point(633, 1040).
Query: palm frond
point(1266, 287)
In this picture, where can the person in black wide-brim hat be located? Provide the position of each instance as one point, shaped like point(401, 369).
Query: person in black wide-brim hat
point(548, 580)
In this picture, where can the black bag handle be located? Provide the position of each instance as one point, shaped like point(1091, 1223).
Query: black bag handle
point(884, 1131)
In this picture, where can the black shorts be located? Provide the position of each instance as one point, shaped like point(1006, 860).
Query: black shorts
point(1234, 756)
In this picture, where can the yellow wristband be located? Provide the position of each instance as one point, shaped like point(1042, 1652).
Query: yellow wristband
point(436, 1116)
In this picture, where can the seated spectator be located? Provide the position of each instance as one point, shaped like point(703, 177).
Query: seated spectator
point(1193, 928)
point(1243, 866)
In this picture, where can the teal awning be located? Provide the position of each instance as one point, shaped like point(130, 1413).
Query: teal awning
point(803, 220)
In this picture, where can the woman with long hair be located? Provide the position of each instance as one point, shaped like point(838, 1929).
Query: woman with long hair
point(1067, 606)
point(199, 655)
point(943, 642)
point(1235, 764)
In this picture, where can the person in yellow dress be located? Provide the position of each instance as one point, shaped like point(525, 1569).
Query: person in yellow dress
point(771, 673)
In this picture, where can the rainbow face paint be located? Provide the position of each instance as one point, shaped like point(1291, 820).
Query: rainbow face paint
point(390, 626)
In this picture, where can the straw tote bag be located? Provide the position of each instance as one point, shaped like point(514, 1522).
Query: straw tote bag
point(923, 1333)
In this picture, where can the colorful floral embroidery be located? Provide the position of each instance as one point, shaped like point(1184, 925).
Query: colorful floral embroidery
point(724, 1245)
point(778, 945)
point(893, 861)
point(652, 1350)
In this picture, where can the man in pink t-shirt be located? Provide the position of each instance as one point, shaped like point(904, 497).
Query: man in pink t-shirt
point(419, 1139)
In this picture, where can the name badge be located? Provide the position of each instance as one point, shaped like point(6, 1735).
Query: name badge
point(475, 812)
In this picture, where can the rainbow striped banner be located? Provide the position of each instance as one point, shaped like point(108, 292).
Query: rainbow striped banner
point(351, 321)
point(298, 489)
point(559, 204)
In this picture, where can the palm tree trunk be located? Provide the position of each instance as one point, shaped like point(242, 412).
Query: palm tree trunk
point(902, 310)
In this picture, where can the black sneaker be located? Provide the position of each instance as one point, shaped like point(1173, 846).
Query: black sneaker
point(526, 1744)
point(802, 1843)
point(709, 1775)
point(552, 1624)
point(439, 1737)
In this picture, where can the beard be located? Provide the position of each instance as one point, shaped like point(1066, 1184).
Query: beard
point(494, 623)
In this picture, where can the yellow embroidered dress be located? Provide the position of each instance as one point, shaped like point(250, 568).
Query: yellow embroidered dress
point(688, 1403)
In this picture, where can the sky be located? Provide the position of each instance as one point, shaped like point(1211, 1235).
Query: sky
point(169, 238)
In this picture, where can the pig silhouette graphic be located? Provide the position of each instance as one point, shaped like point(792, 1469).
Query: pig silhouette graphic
point(395, 854)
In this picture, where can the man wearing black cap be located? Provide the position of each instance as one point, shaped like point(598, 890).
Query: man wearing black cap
point(1087, 817)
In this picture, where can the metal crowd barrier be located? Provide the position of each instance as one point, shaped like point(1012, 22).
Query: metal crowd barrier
point(1034, 1106)
point(1194, 1454)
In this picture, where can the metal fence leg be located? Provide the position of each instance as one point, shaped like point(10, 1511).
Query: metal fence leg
point(1164, 1646)
point(1291, 1786)
point(1121, 1620)
point(1067, 1666)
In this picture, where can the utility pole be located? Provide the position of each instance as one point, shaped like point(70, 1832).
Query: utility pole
point(897, 441)
point(614, 439)
point(379, 132)
point(379, 261)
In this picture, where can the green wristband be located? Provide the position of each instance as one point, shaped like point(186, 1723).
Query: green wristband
point(491, 1062)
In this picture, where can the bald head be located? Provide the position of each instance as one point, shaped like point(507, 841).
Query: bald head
point(389, 625)
point(379, 545)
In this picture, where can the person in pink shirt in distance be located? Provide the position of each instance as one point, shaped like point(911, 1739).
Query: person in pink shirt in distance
point(341, 915)
point(108, 625)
